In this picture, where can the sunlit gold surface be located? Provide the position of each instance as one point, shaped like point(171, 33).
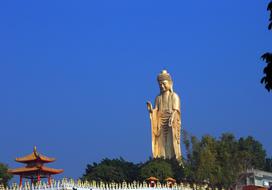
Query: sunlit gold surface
point(165, 120)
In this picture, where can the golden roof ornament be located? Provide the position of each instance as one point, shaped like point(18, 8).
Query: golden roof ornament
point(35, 151)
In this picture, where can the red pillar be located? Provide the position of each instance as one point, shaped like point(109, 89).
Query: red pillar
point(21, 181)
point(39, 178)
point(49, 180)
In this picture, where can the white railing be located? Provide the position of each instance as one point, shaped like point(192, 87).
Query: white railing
point(71, 184)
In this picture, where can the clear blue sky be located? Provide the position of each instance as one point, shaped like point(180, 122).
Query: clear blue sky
point(75, 75)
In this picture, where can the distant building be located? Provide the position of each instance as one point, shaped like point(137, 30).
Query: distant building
point(254, 179)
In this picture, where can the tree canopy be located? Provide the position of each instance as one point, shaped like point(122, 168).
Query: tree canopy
point(4, 175)
point(267, 57)
point(220, 161)
point(109, 170)
point(216, 161)
point(158, 168)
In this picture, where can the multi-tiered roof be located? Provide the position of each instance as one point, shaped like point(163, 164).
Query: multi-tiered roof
point(35, 168)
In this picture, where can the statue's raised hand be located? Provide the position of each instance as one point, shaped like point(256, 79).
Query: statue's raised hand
point(149, 106)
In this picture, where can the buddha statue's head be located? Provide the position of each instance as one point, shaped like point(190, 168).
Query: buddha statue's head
point(165, 81)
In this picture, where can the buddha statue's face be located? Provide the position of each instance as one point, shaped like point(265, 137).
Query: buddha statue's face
point(165, 85)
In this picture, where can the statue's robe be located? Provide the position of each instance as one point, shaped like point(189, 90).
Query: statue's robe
point(166, 135)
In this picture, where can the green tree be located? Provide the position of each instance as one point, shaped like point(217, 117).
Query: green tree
point(158, 167)
point(268, 164)
point(251, 153)
point(191, 163)
point(267, 57)
point(208, 168)
point(201, 164)
point(221, 161)
point(109, 170)
point(217, 161)
point(228, 160)
point(178, 169)
point(4, 175)
point(269, 8)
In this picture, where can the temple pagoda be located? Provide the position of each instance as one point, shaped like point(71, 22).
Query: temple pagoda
point(35, 169)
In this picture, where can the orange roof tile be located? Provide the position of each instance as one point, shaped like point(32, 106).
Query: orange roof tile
point(34, 169)
point(34, 156)
point(170, 179)
point(152, 179)
point(21, 170)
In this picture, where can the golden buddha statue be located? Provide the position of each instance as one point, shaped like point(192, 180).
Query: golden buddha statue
point(165, 120)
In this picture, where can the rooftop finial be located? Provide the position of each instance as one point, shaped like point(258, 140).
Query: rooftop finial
point(35, 151)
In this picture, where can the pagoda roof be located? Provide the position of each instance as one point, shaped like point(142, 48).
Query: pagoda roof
point(25, 170)
point(35, 156)
point(170, 179)
point(152, 178)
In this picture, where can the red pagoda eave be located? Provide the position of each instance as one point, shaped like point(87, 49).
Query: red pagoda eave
point(30, 170)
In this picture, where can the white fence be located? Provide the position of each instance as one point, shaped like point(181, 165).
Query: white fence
point(65, 184)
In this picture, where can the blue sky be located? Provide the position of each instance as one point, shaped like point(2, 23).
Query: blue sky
point(75, 75)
